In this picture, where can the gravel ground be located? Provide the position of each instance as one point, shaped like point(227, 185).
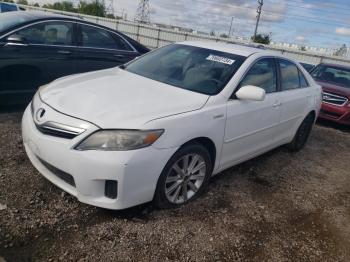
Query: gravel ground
point(281, 206)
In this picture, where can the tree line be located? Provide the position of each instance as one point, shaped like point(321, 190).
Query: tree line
point(94, 7)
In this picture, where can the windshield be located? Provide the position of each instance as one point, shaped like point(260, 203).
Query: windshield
point(197, 69)
point(12, 19)
point(336, 75)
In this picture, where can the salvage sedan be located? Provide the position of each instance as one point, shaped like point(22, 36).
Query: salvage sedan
point(160, 126)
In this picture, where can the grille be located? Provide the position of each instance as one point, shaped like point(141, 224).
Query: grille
point(59, 173)
point(59, 130)
point(334, 99)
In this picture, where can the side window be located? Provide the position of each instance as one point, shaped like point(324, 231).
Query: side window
point(99, 38)
point(50, 33)
point(303, 82)
point(289, 75)
point(262, 74)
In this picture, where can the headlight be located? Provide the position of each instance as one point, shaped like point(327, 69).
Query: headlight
point(119, 140)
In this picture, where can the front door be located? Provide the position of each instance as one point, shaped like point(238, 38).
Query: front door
point(252, 126)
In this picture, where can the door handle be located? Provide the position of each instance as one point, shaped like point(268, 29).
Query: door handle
point(277, 104)
point(119, 56)
point(15, 44)
point(64, 52)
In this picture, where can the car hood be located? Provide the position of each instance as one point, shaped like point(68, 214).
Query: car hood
point(335, 89)
point(115, 98)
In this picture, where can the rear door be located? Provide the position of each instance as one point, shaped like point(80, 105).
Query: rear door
point(295, 97)
point(101, 49)
point(252, 127)
point(33, 56)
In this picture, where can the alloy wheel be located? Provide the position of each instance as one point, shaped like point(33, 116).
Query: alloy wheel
point(185, 178)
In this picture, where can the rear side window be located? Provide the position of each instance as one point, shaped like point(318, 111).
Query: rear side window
point(289, 75)
point(262, 74)
point(98, 38)
point(303, 82)
point(49, 33)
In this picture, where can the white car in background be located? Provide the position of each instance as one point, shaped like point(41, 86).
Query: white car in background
point(160, 126)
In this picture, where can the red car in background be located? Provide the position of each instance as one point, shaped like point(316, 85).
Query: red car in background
point(335, 82)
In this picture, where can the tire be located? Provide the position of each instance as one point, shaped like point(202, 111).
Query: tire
point(176, 186)
point(302, 134)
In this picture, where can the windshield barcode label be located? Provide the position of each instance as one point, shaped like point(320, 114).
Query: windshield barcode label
point(220, 59)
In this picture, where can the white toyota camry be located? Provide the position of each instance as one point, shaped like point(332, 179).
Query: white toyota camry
point(160, 126)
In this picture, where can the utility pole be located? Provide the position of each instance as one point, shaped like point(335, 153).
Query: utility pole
point(229, 32)
point(143, 12)
point(260, 2)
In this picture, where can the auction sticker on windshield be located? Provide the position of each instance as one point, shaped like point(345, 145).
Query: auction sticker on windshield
point(220, 59)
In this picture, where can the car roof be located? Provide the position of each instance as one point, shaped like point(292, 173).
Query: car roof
point(37, 15)
point(229, 48)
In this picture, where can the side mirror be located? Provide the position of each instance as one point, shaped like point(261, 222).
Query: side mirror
point(16, 40)
point(252, 93)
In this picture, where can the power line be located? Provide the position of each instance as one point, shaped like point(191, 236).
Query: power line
point(267, 12)
point(338, 5)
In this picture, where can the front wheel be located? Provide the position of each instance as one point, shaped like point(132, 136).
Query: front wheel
point(302, 134)
point(184, 177)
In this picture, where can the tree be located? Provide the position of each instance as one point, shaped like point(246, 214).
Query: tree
point(22, 2)
point(212, 33)
point(95, 8)
point(224, 35)
point(9, 1)
point(110, 16)
point(62, 6)
point(341, 51)
point(302, 48)
point(262, 39)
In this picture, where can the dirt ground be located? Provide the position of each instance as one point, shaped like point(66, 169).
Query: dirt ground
point(281, 206)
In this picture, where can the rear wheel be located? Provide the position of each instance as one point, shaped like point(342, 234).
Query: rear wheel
point(302, 134)
point(184, 177)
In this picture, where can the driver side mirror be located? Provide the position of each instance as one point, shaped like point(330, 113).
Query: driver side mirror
point(16, 40)
point(252, 93)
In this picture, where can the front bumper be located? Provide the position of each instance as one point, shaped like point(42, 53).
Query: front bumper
point(338, 114)
point(136, 171)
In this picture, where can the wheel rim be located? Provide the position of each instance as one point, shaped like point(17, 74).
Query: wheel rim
point(185, 178)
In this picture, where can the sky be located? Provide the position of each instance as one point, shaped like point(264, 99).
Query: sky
point(304, 22)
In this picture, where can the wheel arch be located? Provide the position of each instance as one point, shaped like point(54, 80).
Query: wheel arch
point(207, 143)
point(313, 113)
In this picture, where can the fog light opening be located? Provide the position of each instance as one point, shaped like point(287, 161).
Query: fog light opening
point(111, 189)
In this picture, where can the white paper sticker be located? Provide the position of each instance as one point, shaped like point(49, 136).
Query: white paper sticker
point(220, 59)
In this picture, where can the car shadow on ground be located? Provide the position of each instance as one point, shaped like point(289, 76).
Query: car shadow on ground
point(142, 213)
point(326, 123)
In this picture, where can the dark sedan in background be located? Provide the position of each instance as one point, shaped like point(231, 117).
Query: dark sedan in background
point(335, 82)
point(36, 48)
